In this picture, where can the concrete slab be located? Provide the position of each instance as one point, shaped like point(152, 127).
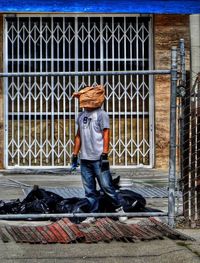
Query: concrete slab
point(164, 251)
point(156, 251)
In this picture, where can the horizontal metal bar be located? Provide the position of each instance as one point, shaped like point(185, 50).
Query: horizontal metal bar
point(16, 167)
point(33, 114)
point(76, 14)
point(76, 59)
point(85, 73)
point(37, 216)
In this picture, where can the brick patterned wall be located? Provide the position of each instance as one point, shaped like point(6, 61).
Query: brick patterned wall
point(168, 29)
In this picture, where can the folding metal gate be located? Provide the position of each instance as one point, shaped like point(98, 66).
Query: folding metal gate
point(40, 112)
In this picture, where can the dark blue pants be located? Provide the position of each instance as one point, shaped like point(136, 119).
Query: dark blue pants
point(90, 171)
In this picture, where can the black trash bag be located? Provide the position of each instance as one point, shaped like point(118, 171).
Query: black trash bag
point(134, 202)
point(115, 182)
point(11, 207)
point(34, 207)
point(39, 194)
point(40, 201)
point(51, 203)
point(74, 205)
point(82, 206)
point(131, 201)
point(67, 205)
point(150, 209)
point(105, 204)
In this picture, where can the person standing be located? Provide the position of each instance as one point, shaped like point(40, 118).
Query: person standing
point(92, 144)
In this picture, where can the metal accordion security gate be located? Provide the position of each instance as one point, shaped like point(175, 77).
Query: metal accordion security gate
point(39, 110)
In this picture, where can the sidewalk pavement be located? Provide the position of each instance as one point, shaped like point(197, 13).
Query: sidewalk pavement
point(143, 251)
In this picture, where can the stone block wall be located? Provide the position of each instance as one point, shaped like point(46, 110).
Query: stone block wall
point(168, 29)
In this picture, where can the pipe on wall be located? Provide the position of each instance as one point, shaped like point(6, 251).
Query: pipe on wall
point(195, 45)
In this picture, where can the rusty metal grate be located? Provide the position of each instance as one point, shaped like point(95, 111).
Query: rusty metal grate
point(104, 229)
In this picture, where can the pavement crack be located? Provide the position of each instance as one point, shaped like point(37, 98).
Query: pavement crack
point(100, 257)
point(187, 246)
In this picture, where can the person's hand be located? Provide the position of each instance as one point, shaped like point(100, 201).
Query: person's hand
point(104, 162)
point(74, 164)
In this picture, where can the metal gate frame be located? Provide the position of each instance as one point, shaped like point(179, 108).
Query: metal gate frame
point(151, 108)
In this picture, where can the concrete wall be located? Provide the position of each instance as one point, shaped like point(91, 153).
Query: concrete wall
point(168, 29)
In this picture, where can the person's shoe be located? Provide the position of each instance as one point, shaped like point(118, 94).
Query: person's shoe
point(89, 220)
point(121, 219)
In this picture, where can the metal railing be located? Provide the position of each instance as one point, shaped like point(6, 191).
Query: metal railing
point(172, 158)
point(86, 73)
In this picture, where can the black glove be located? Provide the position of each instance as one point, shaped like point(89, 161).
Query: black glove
point(74, 162)
point(104, 162)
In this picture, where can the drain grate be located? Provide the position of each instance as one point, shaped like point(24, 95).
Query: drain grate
point(68, 192)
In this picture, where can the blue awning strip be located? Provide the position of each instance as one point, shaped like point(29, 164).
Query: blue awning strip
point(103, 6)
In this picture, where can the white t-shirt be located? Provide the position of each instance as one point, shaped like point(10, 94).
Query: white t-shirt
point(91, 125)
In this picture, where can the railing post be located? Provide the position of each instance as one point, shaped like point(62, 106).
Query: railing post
point(182, 61)
point(172, 151)
point(182, 106)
